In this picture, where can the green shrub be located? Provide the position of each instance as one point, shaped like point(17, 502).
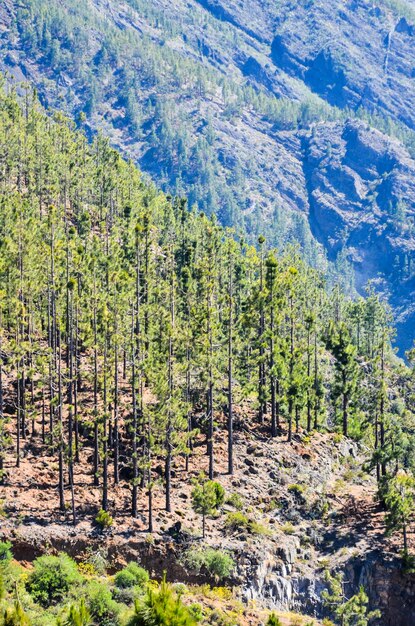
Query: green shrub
point(5, 569)
point(5, 554)
point(104, 610)
point(297, 490)
point(239, 521)
point(97, 558)
point(196, 610)
point(78, 615)
point(217, 563)
point(162, 608)
point(236, 501)
point(104, 519)
point(131, 576)
point(288, 528)
point(273, 620)
point(126, 596)
point(14, 616)
point(52, 578)
point(140, 574)
point(124, 579)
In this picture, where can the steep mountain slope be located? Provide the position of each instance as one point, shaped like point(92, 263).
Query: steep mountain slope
point(260, 111)
point(143, 348)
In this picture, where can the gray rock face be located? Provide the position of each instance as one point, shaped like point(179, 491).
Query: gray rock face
point(233, 143)
point(361, 197)
point(353, 54)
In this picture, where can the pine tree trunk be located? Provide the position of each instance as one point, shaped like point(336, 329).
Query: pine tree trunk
point(316, 400)
point(230, 373)
point(60, 421)
point(96, 430)
point(105, 431)
point(116, 398)
point(210, 391)
point(308, 382)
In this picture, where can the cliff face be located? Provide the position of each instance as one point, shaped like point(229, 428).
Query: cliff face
point(361, 198)
point(261, 111)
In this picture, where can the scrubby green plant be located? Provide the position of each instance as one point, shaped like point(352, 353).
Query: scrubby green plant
point(131, 576)
point(104, 519)
point(273, 620)
point(217, 563)
point(14, 616)
point(124, 579)
point(235, 500)
point(5, 561)
point(140, 574)
point(97, 559)
point(52, 578)
point(288, 528)
point(103, 608)
point(78, 615)
point(5, 553)
point(239, 521)
point(197, 611)
point(162, 607)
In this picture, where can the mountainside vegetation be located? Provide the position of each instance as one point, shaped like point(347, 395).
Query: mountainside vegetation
point(138, 336)
point(295, 124)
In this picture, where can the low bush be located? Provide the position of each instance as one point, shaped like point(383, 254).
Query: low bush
point(104, 519)
point(239, 521)
point(295, 489)
point(196, 611)
point(216, 563)
point(236, 501)
point(103, 608)
point(162, 607)
point(97, 559)
point(5, 561)
point(288, 528)
point(124, 579)
point(52, 578)
point(140, 574)
point(5, 554)
point(131, 576)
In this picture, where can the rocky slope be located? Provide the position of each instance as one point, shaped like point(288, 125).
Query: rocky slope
point(313, 507)
point(261, 111)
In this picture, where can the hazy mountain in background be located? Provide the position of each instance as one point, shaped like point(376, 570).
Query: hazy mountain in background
point(296, 119)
